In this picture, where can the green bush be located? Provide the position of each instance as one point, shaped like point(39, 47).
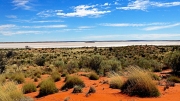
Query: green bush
point(93, 76)
point(56, 76)
point(29, 88)
point(72, 67)
point(2, 63)
point(77, 89)
point(47, 87)
point(174, 79)
point(72, 81)
point(96, 62)
point(140, 84)
point(173, 60)
point(84, 62)
point(40, 61)
point(59, 64)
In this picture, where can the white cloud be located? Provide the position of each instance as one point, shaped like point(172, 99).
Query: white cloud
point(48, 13)
point(84, 10)
point(132, 36)
point(130, 24)
point(11, 16)
point(169, 4)
point(161, 27)
point(46, 26)
point(106, 4)
point(85, 27)
point(9, 33)
point(145, 4)
point(136, 5)
point(154, 36)
point(24, 4)
point(122, 24)
point(7, 26)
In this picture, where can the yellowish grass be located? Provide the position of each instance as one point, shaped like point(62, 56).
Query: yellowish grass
point(116, 81)
point(139, 83)
point(10, 92)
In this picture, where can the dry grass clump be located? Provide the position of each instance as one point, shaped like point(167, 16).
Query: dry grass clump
point(72, 81)
point(10, 92)
point(139, 83)
point(29, 88)
point(17, 77)
point(173, 79)
point(116, 81)
point(56, 76)
point(2, 78)
point(93, 76)
point(47, 87)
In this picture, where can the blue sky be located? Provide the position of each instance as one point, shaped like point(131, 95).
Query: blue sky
point(87, 20)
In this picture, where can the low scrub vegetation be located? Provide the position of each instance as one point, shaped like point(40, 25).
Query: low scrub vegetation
point(116, 81)
point(17, 77)
point(139, 83)
point(10, 92)
point(173, 79)
point(47, 87)
point(72, 81)
point(77, 89)
point(56, 76)
point(29, 88)
point(93, 76)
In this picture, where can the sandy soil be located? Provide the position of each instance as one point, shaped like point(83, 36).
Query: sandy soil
point(83, 44)
point(104, 93)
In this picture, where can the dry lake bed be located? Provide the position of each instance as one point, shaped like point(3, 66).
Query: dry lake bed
point(83, 44)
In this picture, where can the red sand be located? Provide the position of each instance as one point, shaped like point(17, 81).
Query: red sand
point(104, 93)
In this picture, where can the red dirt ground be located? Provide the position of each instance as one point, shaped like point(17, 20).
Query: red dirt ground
point(104, 93)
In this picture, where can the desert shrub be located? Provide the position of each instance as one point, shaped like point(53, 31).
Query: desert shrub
point(29, 87)
point(96, 62)
point(17, 77)
point(40, 61)
point(143, 63)
point(116, 81)
point(173, 79)
point(56, 76)
point(139, 83)
point(72, 66)
point(71, 81)
point(173, 60)
point(59, 63)
point(35, 79)
point(84, 62)
point(2, 63)
point(154, 76)
point(10, 92)
point(109, 65)
point(93, 76)
point(91, 90)
point(77, 89)
point(47, 87)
